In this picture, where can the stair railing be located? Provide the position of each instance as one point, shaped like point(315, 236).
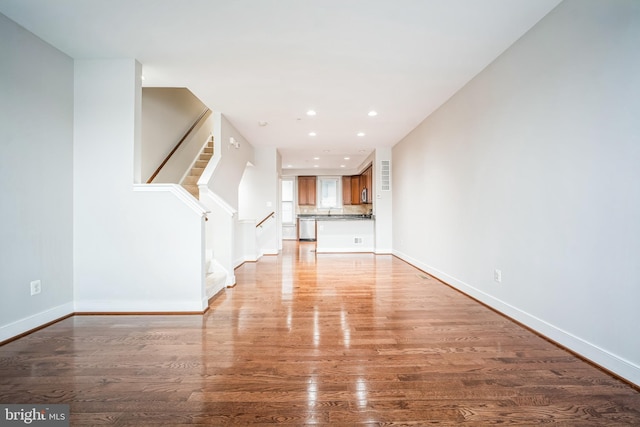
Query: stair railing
point(184, 137)
point(271, 215)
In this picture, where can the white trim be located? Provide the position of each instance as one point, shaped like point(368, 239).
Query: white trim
point(622, 367)
point(231, 280)
point(388, 251)
point(178, 191)
point(239, 261)
point(204, 189)
point(125, 306)
point(34, 321)
point(345, 250)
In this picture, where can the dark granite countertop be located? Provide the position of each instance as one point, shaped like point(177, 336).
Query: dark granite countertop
point(337, 217)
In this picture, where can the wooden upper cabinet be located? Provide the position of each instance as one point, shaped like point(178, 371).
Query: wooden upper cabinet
point(367, 177)
point(356, 190)
point(346, 190)
point(307, 190)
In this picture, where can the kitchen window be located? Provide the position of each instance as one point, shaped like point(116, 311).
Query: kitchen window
point(330, 193)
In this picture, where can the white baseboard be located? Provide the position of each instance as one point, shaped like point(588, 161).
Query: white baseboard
point(618, 365)
point(26, 324)
point(251, 258)
point(140, 306)
point(344, 250)
point(383, 251)
point(231, 280)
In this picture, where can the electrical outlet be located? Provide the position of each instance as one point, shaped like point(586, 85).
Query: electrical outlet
point(36, 287)
point(497, 275)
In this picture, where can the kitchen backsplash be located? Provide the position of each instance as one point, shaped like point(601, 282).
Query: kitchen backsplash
point(345, 210)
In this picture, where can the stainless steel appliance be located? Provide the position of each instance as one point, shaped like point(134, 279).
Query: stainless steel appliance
point(307, 229)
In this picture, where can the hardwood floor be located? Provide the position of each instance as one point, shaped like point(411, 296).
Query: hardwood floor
point(322, 339)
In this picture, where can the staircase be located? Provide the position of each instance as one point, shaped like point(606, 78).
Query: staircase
point(190, 182)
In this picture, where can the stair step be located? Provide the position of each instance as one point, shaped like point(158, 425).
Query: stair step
point(193, 189)
point(201, 164)
point(206, 157)
point(208, 150)
point(196, 172)
point(191, 179)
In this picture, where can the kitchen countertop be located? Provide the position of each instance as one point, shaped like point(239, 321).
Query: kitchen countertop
point(338, 217)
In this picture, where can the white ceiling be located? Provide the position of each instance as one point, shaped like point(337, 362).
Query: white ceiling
point(272, 60)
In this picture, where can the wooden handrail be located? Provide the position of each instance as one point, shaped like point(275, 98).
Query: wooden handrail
point(164, 162)
point(272, 214)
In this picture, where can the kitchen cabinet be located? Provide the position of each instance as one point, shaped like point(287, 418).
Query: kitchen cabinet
point(346, 190)
point(367, 182)
point(356, 190)
point(352, 187)
point(307, 190)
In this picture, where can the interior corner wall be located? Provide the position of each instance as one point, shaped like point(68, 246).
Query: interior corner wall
point(258, 192)
point(232, 161)
point(258, 196)
point(36, 180)
point(532, 169)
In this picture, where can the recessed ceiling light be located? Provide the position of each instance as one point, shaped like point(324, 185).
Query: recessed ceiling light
point(311, 113)
point(347, 158)
point(372, 113)
point(360, 133)
point(316, 158)
point(312, 134)
point(342, 166)
point(315, 166)
point(289, 166)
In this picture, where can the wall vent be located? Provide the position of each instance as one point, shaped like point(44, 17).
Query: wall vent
point(385, 175)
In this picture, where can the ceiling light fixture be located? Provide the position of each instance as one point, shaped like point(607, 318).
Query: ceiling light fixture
point(347, 158)
point(342, 166)
point(311, 113)
point(372, 113)
point(360, 133)
point(312, 134)
point(316, 158)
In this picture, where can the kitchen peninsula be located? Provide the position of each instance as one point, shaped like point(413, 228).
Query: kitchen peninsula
point(343, 233)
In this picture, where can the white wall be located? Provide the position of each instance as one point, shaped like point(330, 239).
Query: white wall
point(167, 113)
point(230, 163)
point(36, 155)
point(532, 168)
point(382, 204)
point(219, 187)
point(133, 250)
point(258, 196)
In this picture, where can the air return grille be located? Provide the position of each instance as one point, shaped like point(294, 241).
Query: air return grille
point(385, 175)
